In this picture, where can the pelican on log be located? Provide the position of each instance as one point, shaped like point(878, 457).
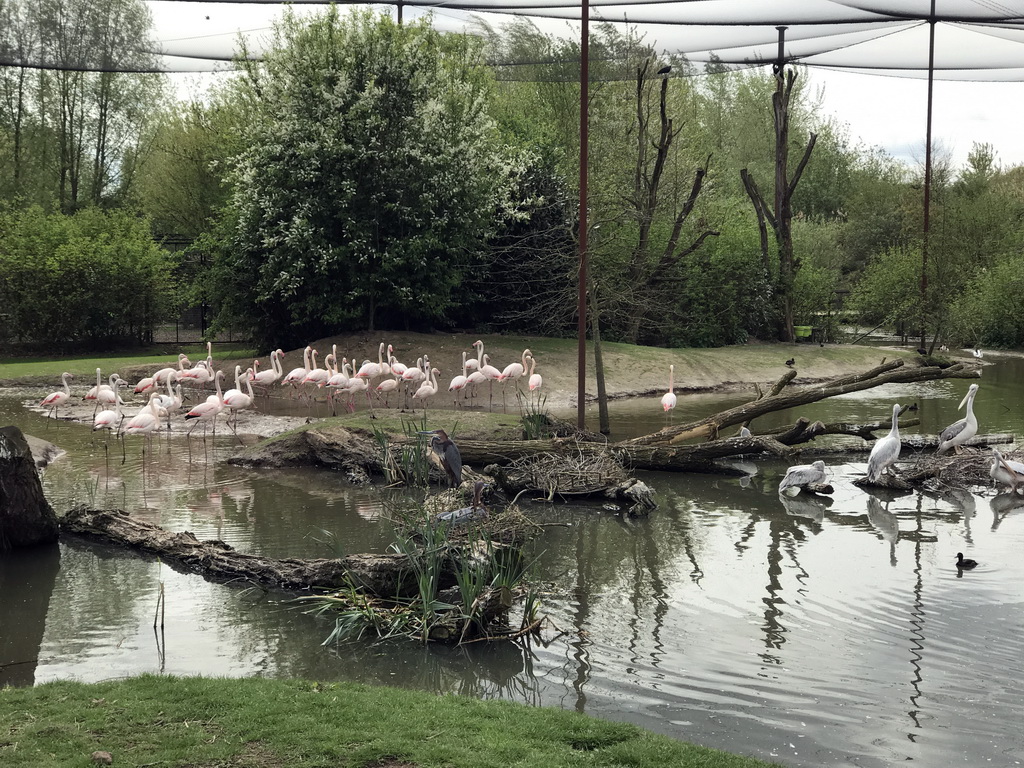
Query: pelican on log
point(886, 450)
point(958, 433)
point(802, 475)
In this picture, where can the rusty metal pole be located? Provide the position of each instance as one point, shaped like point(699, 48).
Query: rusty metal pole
point(927, 176)
point(581, 373)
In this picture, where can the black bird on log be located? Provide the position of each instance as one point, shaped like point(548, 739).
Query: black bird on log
point(451, 459)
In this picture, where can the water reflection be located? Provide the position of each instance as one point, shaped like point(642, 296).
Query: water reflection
point(27, 579)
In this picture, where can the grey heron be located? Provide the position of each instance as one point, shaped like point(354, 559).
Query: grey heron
point(801, 475)
point(885, 450)
point(477, 510)
point(1006, 471)
point(958, 433)
point(451, 459)
point(962, 563)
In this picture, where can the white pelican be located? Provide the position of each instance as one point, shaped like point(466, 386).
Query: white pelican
point(958, 433)
point(1006, 471)
point(801, 475)
point(885, 450)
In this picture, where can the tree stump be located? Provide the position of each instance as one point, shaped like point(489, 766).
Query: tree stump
point(26, 517)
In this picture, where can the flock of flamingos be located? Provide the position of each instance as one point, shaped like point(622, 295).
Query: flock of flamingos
point(381, 379)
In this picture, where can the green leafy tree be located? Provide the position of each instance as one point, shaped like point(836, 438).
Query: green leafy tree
point(88, 279)
point(371, 173)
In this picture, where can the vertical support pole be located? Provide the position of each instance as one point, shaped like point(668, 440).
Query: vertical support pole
point(398, 10)
point(926, 235)
point(581, 372)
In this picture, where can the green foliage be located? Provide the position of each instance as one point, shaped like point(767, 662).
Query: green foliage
point(889, 290)
point(991, 311)
point(371, 171)
point(88, 279)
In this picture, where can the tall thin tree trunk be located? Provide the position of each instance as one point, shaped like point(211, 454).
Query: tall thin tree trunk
point(602, 391)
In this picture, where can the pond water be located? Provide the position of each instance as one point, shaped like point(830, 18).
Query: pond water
point(814, 633)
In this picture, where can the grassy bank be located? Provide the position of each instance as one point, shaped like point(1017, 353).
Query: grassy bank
point(259, 723)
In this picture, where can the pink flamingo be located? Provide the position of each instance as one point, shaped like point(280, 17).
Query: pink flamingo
point(668, 400)
point(235, 399)
point(171, 402)
point(474, 363)
point(296, 375)
point(459, 383)
point(491, 373)
point(107, 393)
point(146, 420)
point(208, 409)
point(93, 391)
point(370, 370)
point(515, 372)
point(535, 378)
point(58, 398)
point(427, 388)
point(268, 378)
point(110, 419)
point(385, 388)
point(160, 377)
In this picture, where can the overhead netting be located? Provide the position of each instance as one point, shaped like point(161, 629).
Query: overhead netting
point(974, 39)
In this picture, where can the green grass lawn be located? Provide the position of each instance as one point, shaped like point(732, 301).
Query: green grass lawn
point(84, 368)
point(259, 723)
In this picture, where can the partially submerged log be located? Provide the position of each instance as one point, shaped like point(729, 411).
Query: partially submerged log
point(886, 373)
point(383, 575)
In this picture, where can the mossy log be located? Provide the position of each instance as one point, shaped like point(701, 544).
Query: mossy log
point(887, 373)
point(381, 575)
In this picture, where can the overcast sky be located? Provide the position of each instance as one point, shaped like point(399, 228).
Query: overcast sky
point(884, 111)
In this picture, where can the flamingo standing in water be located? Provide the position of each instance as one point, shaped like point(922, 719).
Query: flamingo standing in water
point(171, 402)
point(107, 393)
point(110, 419)
point(208, 409)
point(93, 391)
point(146, 421)
point(668, 400)
point(235, 399)
point(56, 399)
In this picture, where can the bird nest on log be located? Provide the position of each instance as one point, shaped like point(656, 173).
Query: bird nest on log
point(937, 472)
point(574, 474)
point(506, 525)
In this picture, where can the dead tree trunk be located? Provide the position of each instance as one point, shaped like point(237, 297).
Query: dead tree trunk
point(380, 575)
point(26, 518)
point(886, 373)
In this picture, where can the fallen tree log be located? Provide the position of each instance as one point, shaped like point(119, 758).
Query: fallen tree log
point(381, 575)
point(886, 373)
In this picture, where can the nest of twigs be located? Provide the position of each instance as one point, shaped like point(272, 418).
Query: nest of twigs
point(968, 469)
point(503, 523)
point(562, 474)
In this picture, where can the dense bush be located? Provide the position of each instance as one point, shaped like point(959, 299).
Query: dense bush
point(89, 279)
